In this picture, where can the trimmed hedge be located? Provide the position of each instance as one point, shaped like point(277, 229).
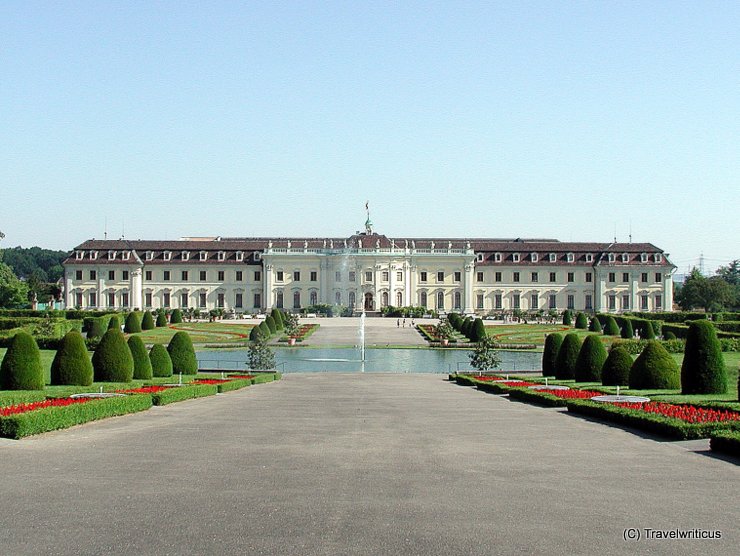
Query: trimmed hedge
point(627, 332)
point(161, 362)
point(54, 418)
point(567, 318)
point(21, 367)
point(648, 331)
point(538, 397)
point(133, 323)
point(261, 378)
point(581, 321)
point(176, 317)
point(595, 325)
point(703, 369)
point(271, 325)
point(180, 393)
point(278, 318)
point(147, 321)
point(142, 364)
point(550, 353)
point(161, 319)
point(182, 354)
point(611, 328)
point(565, 364)
point(234, 384)
point(654, 369)
point(478, 330)
point(114, 323)
point(727, 442)
point(112, 360)
point(72, 363)
point(616, 369)
point(590, 360)
point(650, 422)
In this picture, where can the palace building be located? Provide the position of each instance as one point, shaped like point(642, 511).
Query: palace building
point(367, 271)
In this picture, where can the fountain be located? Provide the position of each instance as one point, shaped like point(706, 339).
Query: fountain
point(99, 394)
point(618, 398)
point(362, 337)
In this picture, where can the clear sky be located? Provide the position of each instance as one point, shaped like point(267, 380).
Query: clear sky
point(567, 120)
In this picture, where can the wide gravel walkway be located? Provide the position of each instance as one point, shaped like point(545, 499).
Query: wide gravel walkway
point(358, 464)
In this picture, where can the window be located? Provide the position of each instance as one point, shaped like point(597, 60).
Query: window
point(93, 275)
point(351, 299)
point(185, 255)
point(589, 302)
point(457, 300)
point(644, 277)
point(498, 301)
point(337, 276)
point(279, 300)
point(589, 277)
point(479, 276)
point(643, 257)
point(78, 275)
point(166, 276)
point(148, 275)
point(516, 277)
point(658, 258)
point(440, 276)
point(612, 276)
point(384, 299)
point(590, 258)
point(203, 275)
point(458, 276)
point(399, 299)
point(497, 257)
point(203, 255)
point(125, 274)
point(644, 302)
point(534, 301)
point(479, 301)
point(440, 300)
point(423, 299)
point(296, 300)
point(314, 276)
point(111, 275)
point(552, 301)
point(167, 255)
point(497, 277)
point(658, 277)
point(220, 300)
point(515, 257)
point(239, 275)
point(625, 276)
point(221, 257)
point(93, 255)
point(553, 257)
point(239, 257)
point(399, 276)
point(625, 257)
point(612, 300)
point(384, 276)
point(553, 277)
point(111, 255)
point(312, 298)
point(625, 302)
point(183, 300)
point(202, 300)
point(257, 303)
point(147, 299)
point(296, 275)
point(515, 299)
point(368, 276)
point(149, 255)
point(352, 276)
point(533, 257)
point(238, 301)
point(338, 298)
point(111, 299)
point(79, 255)
point(221, 275)
point(423, 276)
point(124, 299)
point(166, 299)
point(571, 301)
point(570, 257)
point(184, 275)
point(479, 257)
point(92, 299)
point(611, 257)
point(571, 277)
point(658, 301)
point(535, 277)
point(257, 275)
point(279, 276)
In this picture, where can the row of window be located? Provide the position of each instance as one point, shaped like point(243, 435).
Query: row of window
point(166, 255)
point(167, 275)
point(535, 277)
point(167, 300)
point(571, 257)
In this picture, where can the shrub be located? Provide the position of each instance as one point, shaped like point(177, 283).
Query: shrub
point(254, 334)
point(159, 357)
point(616, 369)
point(611, 328)
point(142, 365)
point(171, 395)
point(581, 321)
point(161, 319)
point(703, 370)
point(95, 327)
point(72, 363)
point(670, 335)
point(278, 318)
point(595, 325)
point(550, 353)
point(133, 324)
point(654, 368)
point(567, 318)
point(147, 321)
point(112, 360)
point(182, 354)
point(565, 364)
point(627, 331)
point(479, 330)
point(271, 324)
point(114, 323)
point(590, 360)
point(21, 367)
point(264, 330)
point(176, 317)
point(648, 333)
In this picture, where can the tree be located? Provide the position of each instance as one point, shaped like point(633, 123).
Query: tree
point(21, 367)
point(581, 321)
point(142, 364)
point(290, 322)
point(627, 331)
point(590, 360)
point(654, 368)
point(484, 357)
point(72, 363)
point(479, 330)
point(565, 364)
point(595, 325)
point(567, 318)
point(611, 328)
point(703, 369)
point(112, 360)
point(182, 354)
point(710, 294)
point(133, 324)
point(730, 273)
point(550, 353)
point(114, 323)
point(161, 319)
point(13, 292)
point(261, 357)
point(176, 317)
point(147, 321)
point(160, 360)
point(616, 369)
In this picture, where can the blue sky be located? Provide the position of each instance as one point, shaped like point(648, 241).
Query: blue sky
point(464, 119)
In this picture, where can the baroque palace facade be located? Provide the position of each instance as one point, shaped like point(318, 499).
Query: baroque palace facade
point(368, 271)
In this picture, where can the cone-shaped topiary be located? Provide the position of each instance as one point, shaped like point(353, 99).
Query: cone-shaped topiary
point(611, 328)
point(264, 330)
point(278, 318)
point(627, 332)
point(72, 363)
point(567, 318)
point(160, 360)
point(97, 327)
point(161, 319)
point(595, 325)
point(565, 364)
point(254, 334)
point(647, 331)
point(142, 365)
point(21, 368)
point(112, 360)
point(147, 321)
point(703, 370)
point(182, 354)
point(479, 330)
point(176, 317)
point(616, 369)
point(133, 324)
point(590, 360)
point(669, 335)
point(114, 323)
point(581, 321)
point(271, 324)
point(550, 353)
point(654, 368)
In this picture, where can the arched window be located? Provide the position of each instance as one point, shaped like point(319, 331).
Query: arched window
point(352, 300)
point(338, 298)
point(279, 300)
point(384, 298)
point(423, 299)
point(296, 300)
point(399, 299)
point(440, 300)
point(313, 298)
point(457, 300)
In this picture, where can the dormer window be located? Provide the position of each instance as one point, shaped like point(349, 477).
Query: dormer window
point(612, 257)
point(257, 256)
point(221, 255)
point(515, 257)
point(149, 255)
point(553, 257)
point(239, 256)
point(93, 255)
point(203, 255)
point(590, 257)
point(479, 257)
point(167, 255)
point(643, 257)
point(111, 255)
point(658, 258)
point(125, 255)
point(570, 257)
point(497, 257)
point(79, 255)
point(185, 255)
point(625, 258)
point(534, 257)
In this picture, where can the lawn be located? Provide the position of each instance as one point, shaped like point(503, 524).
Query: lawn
point(535, 333)
point(200, 333)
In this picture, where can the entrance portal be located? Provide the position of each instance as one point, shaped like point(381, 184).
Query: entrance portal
point(368, 301)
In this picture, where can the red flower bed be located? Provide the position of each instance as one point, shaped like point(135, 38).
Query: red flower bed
point(143, 390)
point(24, 407)
point(512, 383)
point(431, 331)
point(687, 413)
point(210, 380)
point(573, 394)
point(241, 376)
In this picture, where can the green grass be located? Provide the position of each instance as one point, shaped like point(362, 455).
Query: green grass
point(200, 332)
point(535, 333)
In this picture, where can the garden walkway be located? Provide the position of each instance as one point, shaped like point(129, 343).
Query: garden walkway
point(358, 464)
point(345, 331)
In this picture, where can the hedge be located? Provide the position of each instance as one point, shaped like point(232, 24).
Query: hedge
point(266, 377)
point(627, 332)
point(590, 360)
point(133, 323)
point(581, 321)
point(180, 393)
point(41, 326)
point(650, 422)
point(595, 325)
point(616, 369)
point(538, 397)
point(233, 384)
point(54, 418)
point(550, 353)
point(565, 364)
point(182, 354)
point(160, 360)
point(611, 328)
point(703, 369)
point(142, 363)
point(147, 321)
point(72, 363)
point(114, 323)
point(112, 360)
point(161, 319)
point(654, 368)
point(176, 317)
point(21, 367)
point(726, 441)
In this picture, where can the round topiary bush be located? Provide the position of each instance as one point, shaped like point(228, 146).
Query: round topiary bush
point(72, 363)
point(147, 321)
point(627, 331)
point(616, 369)
point(133, 324)
point(611, 328)
point(565, 364)
point(703, 370)
point(160, 360)
point(567, 318)
point(595, 325)
point(161, 319)
point(182, 354)
point(114, 323)
point(550, 353)
point(648, 333)
point(654, 368)
point(479, 330)
point(142, 365)
point(581, 321)
point(590, 360)
point(21, 368)
point(271, 324)
point(112, 360)
point(176, 317)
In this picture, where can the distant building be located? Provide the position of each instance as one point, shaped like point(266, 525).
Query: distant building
point(367, 271)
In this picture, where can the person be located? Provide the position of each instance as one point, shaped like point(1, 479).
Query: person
point(398, 323)
point(404, 323)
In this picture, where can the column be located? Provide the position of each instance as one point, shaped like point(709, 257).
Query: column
point(266, 286)
point(391, 283)
point(136, 286)
point(468, 304)
point(68, 293)
point(668, 291)
point(409, 274)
